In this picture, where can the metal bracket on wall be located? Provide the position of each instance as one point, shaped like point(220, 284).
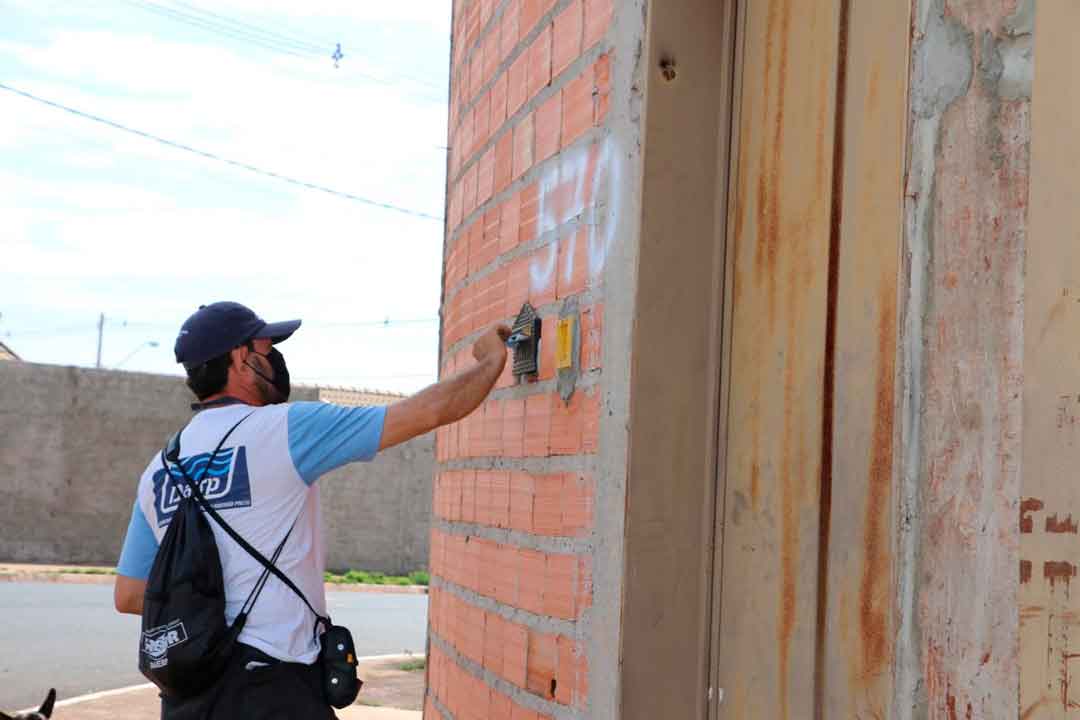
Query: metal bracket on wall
point(525, 341)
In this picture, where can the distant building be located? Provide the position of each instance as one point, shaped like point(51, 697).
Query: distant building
point(353, 396)
point(7, 353)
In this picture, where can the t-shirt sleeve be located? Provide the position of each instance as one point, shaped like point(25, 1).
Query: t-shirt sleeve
point(324, 436)
point(140, 547)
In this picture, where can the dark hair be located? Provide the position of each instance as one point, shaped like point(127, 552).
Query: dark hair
point(210, 377)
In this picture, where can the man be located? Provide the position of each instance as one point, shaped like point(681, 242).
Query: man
point(263, 483)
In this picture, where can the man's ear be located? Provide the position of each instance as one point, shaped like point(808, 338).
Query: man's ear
point(47, 706)
point(239, 355)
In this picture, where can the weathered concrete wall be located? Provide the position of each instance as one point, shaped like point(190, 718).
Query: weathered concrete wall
point(962, 349)
point(73, 443)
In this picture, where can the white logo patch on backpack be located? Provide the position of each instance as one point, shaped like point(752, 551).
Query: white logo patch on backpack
point(157, 641)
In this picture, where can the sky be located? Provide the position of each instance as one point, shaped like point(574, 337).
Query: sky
point(95, 220)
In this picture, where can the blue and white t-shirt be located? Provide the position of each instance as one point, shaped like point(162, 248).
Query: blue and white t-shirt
point(260, 481)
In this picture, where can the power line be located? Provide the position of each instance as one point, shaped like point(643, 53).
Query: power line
point(262, 38)
point(219, 158)
point(319, 46)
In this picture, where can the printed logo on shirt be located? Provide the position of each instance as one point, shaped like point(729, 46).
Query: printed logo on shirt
point(224, 483)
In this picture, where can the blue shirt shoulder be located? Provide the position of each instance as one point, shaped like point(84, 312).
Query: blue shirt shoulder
point(323, 437)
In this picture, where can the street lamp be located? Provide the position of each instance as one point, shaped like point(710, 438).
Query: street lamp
point(148, 343)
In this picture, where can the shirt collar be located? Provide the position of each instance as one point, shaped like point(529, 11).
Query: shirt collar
point(220, 402)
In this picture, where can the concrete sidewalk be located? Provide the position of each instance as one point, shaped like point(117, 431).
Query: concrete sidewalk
point(394, 694)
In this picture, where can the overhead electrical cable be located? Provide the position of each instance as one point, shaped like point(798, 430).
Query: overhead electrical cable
point(319, 46)
point(219, 158)
point(267, 42)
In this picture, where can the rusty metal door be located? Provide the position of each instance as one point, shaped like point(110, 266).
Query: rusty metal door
point(801, 610)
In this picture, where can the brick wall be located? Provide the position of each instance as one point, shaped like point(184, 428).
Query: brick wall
point(530, 202)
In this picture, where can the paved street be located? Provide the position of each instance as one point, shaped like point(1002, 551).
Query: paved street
point(69, 637)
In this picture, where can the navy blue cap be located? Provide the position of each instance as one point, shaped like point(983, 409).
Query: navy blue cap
point(217, 328)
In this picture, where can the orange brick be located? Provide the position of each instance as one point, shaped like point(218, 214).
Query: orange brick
point(468, 190)
point(578, 106)
point(523, 146)
point(560, 586)
point(486, 9)
point(493, 421)
point(515, 654)
point(517, 84)
point(542, 289)
point(517, 289)
point(602, 71)
point(504, 163)
point(498, 103)
point(573, 264)
point(547, 505)
point(493, 642)
point(500, 499)
point(537, 425)
point(591, 432)
point(530, 213)
point(518, 712)
point(521, 501)
point(506, 575)
point(548, 337)
point(511, 221)
point(482, 120)
point(476, 75)
point(455, 210)
point(541, 664)
point(490, 50)
point(500, 706)
point(592, 334)
point(597, 20)
point(483, 506)
point(577, 504)
point(485, 177)
point(531, 11)
point(548, 126)
point(473, 639)
point(508, 28)
point(540, 62)
point(513, 433)
point(468, 496)
point(532, 569)
point(566, 43)
point(567, 425)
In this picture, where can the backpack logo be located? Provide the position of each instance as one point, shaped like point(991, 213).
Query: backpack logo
point(224, 483)
point(157, 641)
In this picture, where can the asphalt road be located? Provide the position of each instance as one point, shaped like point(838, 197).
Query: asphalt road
point(70, 637)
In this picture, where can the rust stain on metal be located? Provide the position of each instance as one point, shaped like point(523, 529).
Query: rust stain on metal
point(769, 180)
point(1065, 525)
point(874, 600)
point(1025, 571)
point(789, 544)
point(1028, 506)
point(1055, 570)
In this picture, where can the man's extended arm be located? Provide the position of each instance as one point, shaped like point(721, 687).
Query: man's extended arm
point(450, 400)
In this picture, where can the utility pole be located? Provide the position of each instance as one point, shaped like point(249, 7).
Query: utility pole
point(100, 332)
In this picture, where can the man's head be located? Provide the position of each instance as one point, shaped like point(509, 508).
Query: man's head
point(228, 349)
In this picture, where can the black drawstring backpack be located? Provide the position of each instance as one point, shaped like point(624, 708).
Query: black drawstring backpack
point(185, 642)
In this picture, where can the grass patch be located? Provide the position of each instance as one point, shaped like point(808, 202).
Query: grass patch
point(357, 577)
point(413, 665)
point(87, 571)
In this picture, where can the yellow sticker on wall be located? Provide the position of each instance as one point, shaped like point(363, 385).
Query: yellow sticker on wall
point(564, 344)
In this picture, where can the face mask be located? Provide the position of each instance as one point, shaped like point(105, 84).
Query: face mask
point(280, 380)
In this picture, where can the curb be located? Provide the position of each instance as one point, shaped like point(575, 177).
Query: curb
point(93, 579)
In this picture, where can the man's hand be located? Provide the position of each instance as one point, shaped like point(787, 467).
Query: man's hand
point(492, 345)
point(452, 399)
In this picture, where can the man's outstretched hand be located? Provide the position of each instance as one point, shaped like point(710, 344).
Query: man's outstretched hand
point(491, 346)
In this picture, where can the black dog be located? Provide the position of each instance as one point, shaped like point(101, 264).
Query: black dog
point(42, 713)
